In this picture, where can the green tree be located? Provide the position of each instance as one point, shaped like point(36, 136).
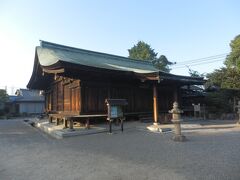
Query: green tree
point(3, 96)
point(231, 79)
point(143, 51)
point(233, 59)
point(194, 73)
point(216, 78)
point(3, 99)
point(162, 63)
point(223, 88)
point(226, 78)
point(220, 101)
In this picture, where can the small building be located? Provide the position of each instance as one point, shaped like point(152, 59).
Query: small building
point(77, 82)
point(27, 101)
point(192, 95)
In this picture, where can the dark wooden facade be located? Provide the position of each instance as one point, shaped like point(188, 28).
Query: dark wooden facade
point(74, 96)
point(77, 82)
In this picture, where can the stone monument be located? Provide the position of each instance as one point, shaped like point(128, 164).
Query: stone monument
point(176, 119)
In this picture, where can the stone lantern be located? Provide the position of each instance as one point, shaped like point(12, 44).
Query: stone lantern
point(176, 119)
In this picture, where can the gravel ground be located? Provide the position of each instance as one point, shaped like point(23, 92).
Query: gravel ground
point(26, 154)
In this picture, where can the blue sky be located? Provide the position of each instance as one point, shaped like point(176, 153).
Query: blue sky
point(181, 30)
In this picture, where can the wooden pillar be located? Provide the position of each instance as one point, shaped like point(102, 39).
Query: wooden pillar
point(155, 104)
point(65, 123)
point(57, 121)
point(50, 119)
point(71, 124)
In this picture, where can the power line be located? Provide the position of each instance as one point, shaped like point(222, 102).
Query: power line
point(209, 58)
point(201, 62)
point(205, 58)
point(196, 64)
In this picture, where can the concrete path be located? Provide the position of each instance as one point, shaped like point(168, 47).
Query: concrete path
point(26, 153)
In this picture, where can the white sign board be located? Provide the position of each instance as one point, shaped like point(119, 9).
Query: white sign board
point(196, 107)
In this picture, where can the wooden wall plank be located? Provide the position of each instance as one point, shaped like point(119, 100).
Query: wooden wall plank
point(69, 95)
point(140, 99)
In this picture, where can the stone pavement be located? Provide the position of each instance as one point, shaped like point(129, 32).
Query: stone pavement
point(197, 126)
point(27, 153)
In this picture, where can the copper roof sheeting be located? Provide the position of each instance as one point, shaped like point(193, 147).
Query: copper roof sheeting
point(50, 54)
point(53, 59)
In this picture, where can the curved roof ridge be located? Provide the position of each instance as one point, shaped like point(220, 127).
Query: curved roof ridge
point(69, 48)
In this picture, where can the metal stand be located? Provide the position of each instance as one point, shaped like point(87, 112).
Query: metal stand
point(110, 126)
point(115, 112)
point(122, 125)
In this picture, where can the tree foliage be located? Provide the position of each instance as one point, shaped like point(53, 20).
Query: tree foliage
point(216, 77)
point(228, 77)
point(220, 101)
point(226, 80)
point(223, 86)
point(3, 95)
point(3, 99)
point(194, 73)
point(233, 59)
point(162, 63)
point(231, 79)
point(143, 51)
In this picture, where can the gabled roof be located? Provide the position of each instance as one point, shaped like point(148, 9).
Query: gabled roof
point(51, 53)
point(74, 62)
point(26, 95)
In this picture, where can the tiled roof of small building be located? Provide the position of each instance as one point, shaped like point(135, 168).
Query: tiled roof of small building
point(26, 95)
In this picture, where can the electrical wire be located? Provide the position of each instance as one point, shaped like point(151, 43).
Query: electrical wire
point(200, 61)
point(205, 59)
point(196, 64)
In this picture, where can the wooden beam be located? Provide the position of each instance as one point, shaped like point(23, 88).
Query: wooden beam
point(155, 104)
point(53, 71)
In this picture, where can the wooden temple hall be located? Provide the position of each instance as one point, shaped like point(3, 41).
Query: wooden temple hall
point(76, 83)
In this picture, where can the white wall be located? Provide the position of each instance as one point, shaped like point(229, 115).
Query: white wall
point(31, 108)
